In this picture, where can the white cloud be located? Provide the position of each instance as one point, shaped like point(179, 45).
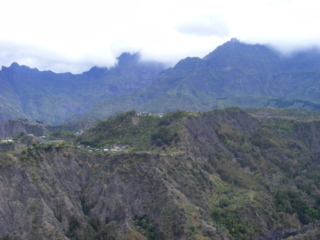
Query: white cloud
point(205, 26)
point(74, 35)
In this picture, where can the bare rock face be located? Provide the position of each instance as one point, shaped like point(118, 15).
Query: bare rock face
point(23, 126)
point(11, 128)
point(59, 193)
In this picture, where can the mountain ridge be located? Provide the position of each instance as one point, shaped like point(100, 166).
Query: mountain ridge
point(234, 74)
point(53, 98)
point(228, 76)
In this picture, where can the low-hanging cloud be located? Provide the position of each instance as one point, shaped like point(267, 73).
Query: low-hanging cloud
point(206, 26)
point(161, 31)
point(46, 59)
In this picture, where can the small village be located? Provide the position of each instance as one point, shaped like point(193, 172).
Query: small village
point(113, 148)
point(6, 141)
point(146, 114)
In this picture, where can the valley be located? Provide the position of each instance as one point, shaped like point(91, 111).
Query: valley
point(221, 147)
point(219, 174)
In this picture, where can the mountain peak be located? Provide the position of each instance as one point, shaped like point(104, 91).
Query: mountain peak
point(14, 65)
point(126, 56)
point(237, 54)
point(234, 40)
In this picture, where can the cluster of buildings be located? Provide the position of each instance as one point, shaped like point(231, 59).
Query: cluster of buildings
point(150, 114)
point(6, 140)
point(116, 148)
point(112, 149)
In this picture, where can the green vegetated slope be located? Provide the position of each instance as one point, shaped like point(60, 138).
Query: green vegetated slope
point(54, 98)
point(234, 74)
point(222, 174)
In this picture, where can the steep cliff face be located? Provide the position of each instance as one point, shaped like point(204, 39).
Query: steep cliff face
point(15, 127)
point(45, 191)
point(309, 133)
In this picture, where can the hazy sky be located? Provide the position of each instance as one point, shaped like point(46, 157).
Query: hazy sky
point(74, 35)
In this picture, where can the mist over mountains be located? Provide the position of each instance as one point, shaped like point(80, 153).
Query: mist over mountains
point(234, 74)
point(208, 173)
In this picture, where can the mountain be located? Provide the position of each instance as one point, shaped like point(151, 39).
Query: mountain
point(221, 174)
point(53, 98)
point(234, 74)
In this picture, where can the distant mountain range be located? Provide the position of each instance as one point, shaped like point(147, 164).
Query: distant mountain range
point(53, 98)
point(234, 74)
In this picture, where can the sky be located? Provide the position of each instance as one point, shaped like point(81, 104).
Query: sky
point(73, 36)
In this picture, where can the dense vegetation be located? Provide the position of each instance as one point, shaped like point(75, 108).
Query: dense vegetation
point(140, 133)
